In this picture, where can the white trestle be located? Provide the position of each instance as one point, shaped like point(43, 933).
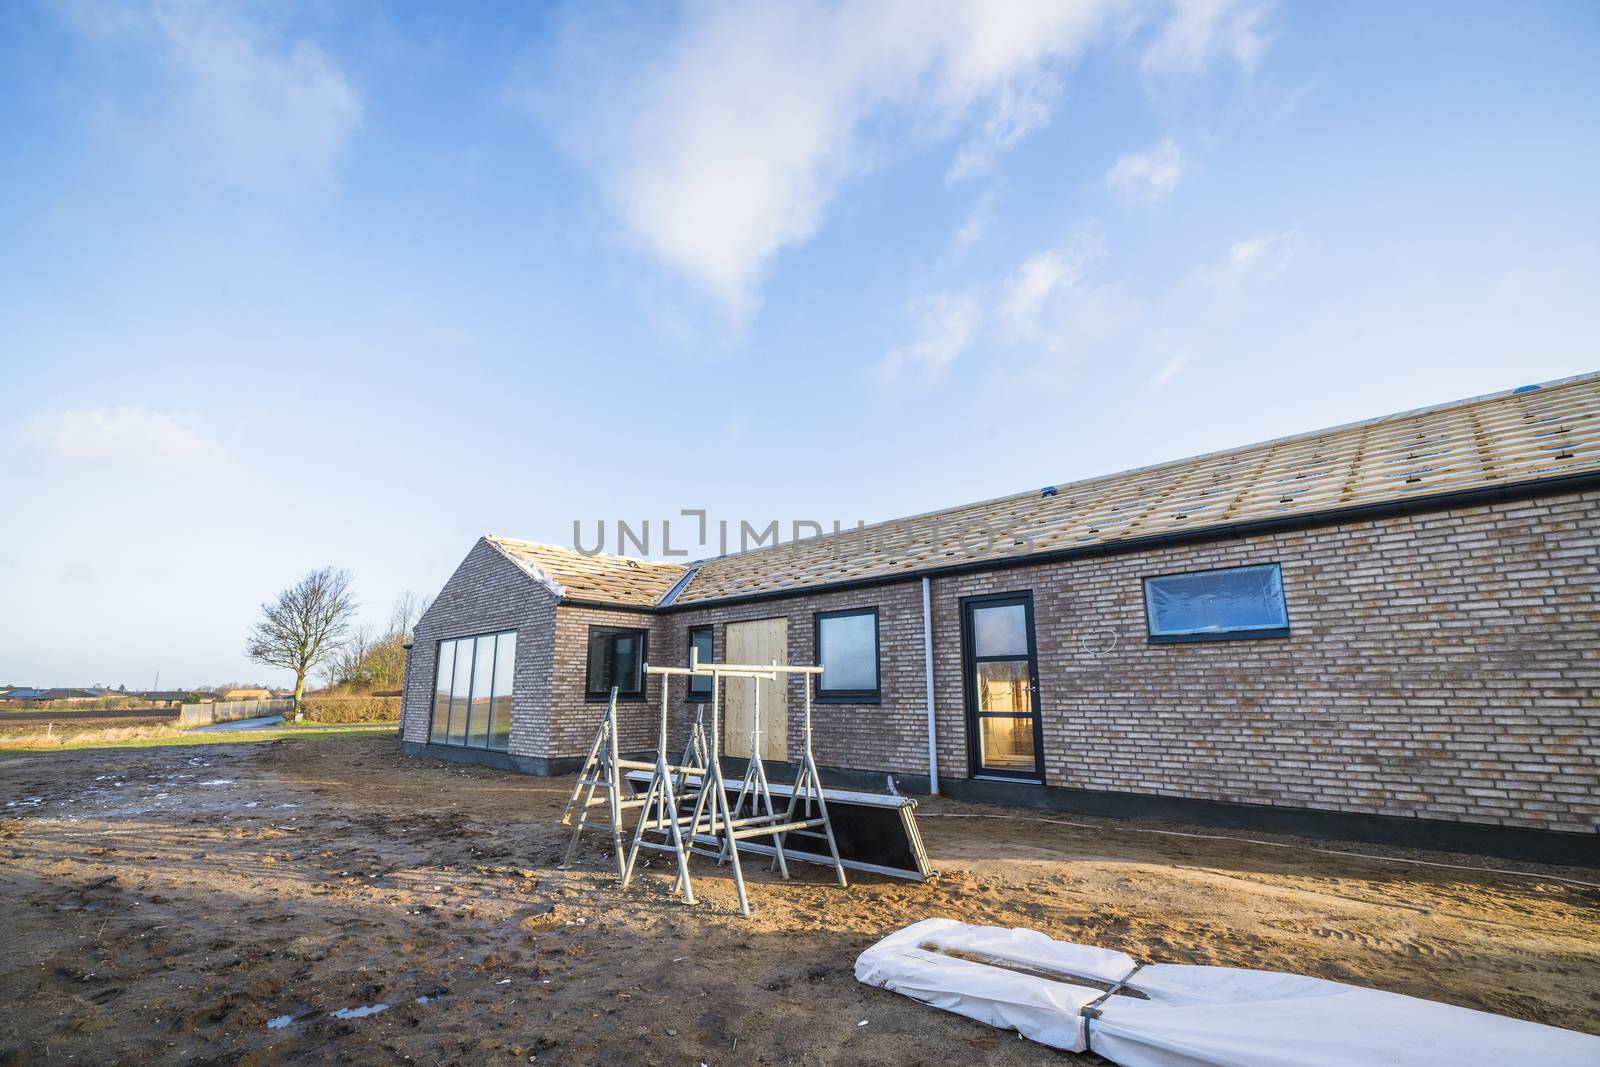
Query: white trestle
point(686, 807)
point(601, 773)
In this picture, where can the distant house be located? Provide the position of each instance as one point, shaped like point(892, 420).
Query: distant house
point(72, 696)
point(170, 696)
point(244, 693)
point(21, 692)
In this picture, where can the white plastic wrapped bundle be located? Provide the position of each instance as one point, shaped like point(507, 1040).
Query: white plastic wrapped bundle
point(1183, 1016)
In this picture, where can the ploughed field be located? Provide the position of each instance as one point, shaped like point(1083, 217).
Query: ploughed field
point(32, 721)
point(234, 903)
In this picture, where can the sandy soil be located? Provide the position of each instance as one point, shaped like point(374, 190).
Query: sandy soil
point(163, 905)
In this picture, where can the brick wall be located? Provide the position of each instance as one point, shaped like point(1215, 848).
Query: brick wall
point(487, 593)
point(1445, 666)
point(573, 720)
point(887, 736)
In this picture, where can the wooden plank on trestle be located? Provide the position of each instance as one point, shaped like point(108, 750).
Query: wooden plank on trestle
point(875, 832)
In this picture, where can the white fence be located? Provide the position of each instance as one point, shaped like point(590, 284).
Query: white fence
point(231, 711)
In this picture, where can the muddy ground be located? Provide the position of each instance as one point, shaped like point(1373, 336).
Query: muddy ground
point(170, 904)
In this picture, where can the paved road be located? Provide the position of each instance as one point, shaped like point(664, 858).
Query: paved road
point(241, 724)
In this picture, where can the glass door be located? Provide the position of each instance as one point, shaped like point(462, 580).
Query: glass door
point(1002, 686)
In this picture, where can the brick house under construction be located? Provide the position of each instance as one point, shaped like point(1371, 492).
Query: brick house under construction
point(1388, 631)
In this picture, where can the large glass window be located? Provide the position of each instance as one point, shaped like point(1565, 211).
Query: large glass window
point(472, 691)
point(701, 640)
point(616, 658)
point(847, 651)
point(1217, 605)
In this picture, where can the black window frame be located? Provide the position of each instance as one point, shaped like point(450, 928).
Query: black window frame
point(1252, 633)
point(848, 696)
point(623, 695)
point(495, 668)
point(969, 687)
point(702, 696)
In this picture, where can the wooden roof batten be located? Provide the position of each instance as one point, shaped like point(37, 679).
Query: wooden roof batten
point(1512, 438)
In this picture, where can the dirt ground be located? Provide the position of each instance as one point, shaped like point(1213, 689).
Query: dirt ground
point(170, 904)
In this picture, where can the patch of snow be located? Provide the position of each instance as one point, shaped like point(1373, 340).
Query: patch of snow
point(218, 781)
point(278, 1022)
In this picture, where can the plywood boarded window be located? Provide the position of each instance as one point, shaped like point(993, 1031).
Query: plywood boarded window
point(761, 643)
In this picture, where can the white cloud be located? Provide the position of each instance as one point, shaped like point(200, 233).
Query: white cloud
point(1199, 32)
point(947, 324)
point(1044, 274)
point(238, 98)
point(1056, 309)
point(1170, 370)
point(1019, 110)
point(1147, 177)
point(728, 145)
point(1249, 260)
point(977, 221)
point(128, 434)
point(722, 133)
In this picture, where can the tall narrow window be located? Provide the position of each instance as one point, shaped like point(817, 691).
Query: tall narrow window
point(461, 692)
point(482, 682)
point(472, 691)
point(441, 692)
point(616, 658)
point(702, 641)
point(505, 661)
point(1219, 605)
point(847, 651)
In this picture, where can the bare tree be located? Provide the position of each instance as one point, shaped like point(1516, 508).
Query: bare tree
point(348, 664)
point(386, 655)
point(407, 610)
point(303, 626)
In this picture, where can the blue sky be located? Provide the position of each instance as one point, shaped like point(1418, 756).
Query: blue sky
point(291, 284)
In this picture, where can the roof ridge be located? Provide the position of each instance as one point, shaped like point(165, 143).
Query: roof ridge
point(526, 567)
point(634, 560)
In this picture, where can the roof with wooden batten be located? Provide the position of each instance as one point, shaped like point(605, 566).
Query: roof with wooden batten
point(573, 575)
point(1523, 436)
